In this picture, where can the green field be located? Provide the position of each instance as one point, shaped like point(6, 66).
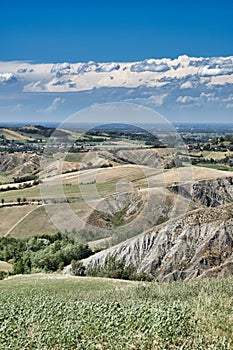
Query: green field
point(29, 193)
point(58, 312)
point(215, 155)
point(4, 179)
point(108, 181)
point(106, 184)
point(74, 157)
point(70, 191)
point(215, 166)
point(36, 223)
point(34, 193)
point(32, 220)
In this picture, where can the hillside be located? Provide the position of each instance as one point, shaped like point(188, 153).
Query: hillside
point(127, 195)
point(51, 311)
point(16, 135)
point(198, 243)
point(157, 197)
point(18, 164)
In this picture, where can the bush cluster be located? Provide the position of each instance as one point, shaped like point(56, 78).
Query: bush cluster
point(112, 268)
point(41, 253)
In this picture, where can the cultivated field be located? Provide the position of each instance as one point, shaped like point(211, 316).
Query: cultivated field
point(59, 312)
point(16, 135)
point(92, 185)
point(116, 194)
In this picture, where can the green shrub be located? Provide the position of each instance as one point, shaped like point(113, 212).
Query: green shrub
point(43, 253)
point(114, 268)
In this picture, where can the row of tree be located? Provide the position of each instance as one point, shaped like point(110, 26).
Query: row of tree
point(22, 201)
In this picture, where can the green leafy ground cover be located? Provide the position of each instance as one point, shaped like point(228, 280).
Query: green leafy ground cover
point(57, 312)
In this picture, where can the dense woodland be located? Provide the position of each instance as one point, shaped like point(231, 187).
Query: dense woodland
point(46, 253)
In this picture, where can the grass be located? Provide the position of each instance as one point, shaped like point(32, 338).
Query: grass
point(4, 179)
point(4, 266)
point(58, 312)
point(29, 193)
point(33, 136)
point(74, 157)
point(7, 135)
point(215, 166)
point(109, 181)
point(215, 155)
point(106, 184)
point(106, 188)
point(15, 135)
point(9, 216)
point(70, 190)
point(34, 192)
point(36, 223)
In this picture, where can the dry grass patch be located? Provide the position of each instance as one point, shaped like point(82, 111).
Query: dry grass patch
point(18, 135)
point(9, 216)
point(4, 266)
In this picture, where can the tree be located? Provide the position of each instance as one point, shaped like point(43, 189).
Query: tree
point(3, 201)
point(18, 266)
point(19, 200)
point(77, 268)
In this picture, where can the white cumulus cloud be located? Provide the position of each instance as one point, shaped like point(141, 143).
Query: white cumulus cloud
point(107, 67)
point(186, 99)
point(87, 67)
point(61, 69)
point(150, 66)
point(98, 67)
point(7, 78)
point(34, 87)
point(187, 85)
point(153, 100)
point(58, 101)
point(216, 66)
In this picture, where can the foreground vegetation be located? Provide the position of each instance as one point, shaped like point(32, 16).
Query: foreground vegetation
point(57, 312)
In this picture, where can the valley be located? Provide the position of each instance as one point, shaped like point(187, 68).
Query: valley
point(117, 242)
point(116, 175)
point(109, 186)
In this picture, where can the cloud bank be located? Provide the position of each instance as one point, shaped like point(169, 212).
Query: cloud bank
point(169, 85)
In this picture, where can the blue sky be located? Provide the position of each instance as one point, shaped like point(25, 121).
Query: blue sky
point(181, 88)
point(54, 31)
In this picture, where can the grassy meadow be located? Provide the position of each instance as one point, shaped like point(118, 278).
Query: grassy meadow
point(59, 312)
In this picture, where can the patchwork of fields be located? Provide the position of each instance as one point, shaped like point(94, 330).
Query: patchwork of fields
point(117, 194)
point(80, 188)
